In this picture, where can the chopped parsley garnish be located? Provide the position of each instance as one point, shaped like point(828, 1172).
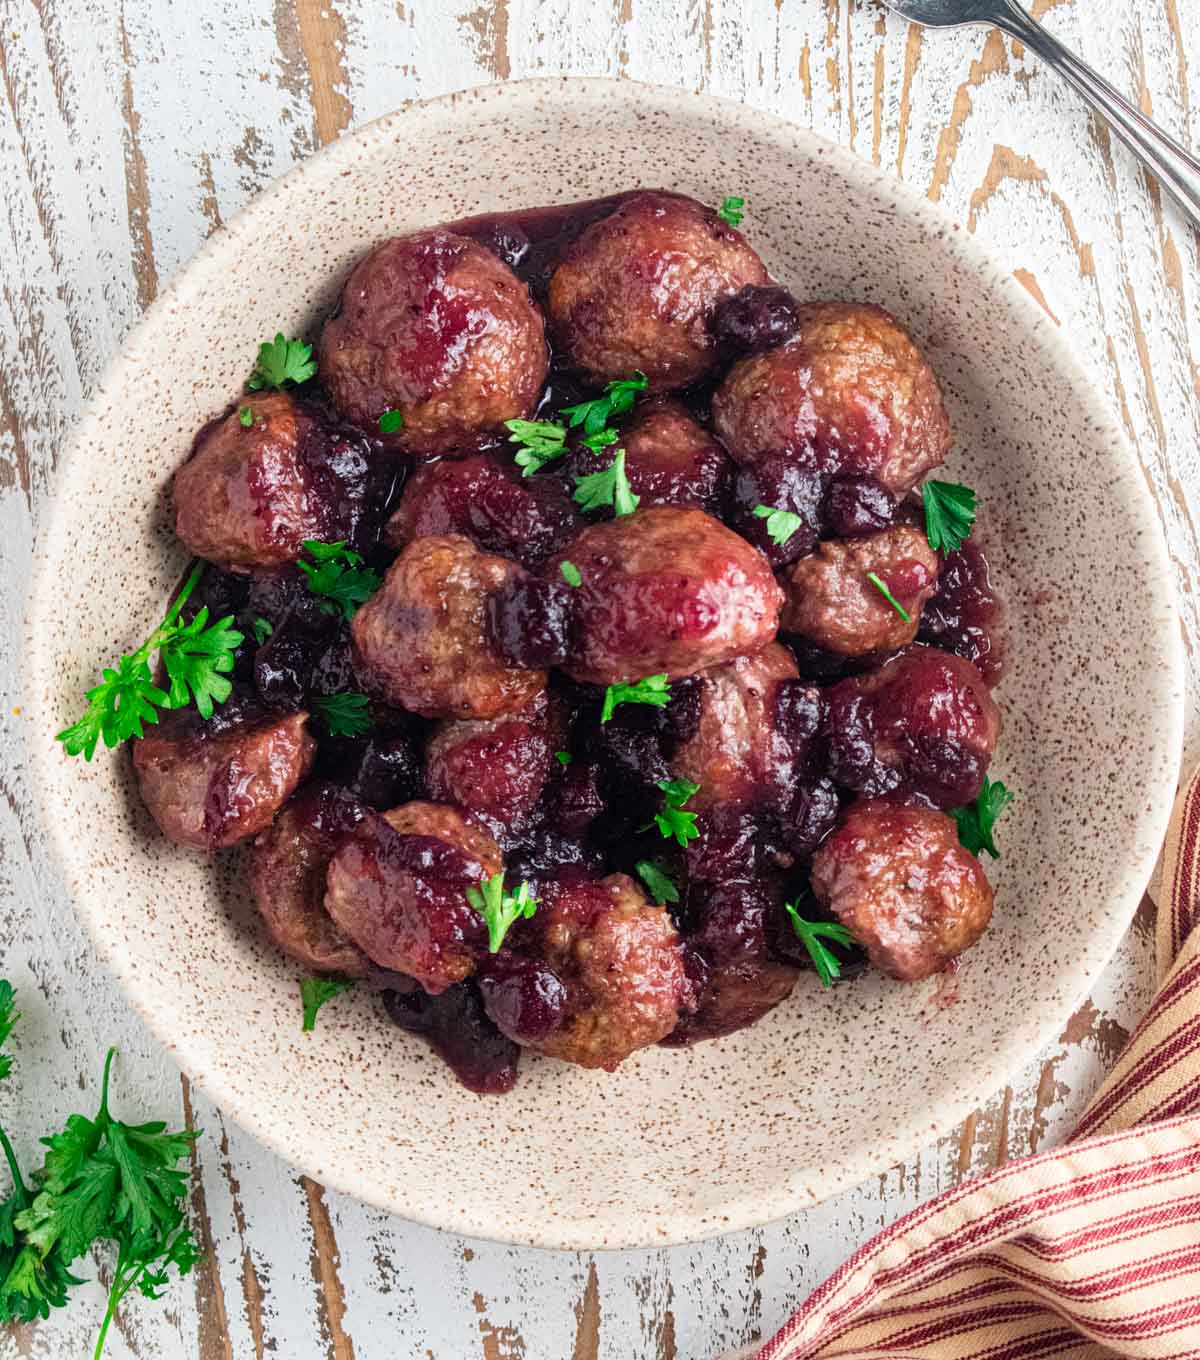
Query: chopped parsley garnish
point(607, 487)
point(196, 658)
point(336, 574)
point(391, 421)
point(570, 573)
point(731, 210)
point(500, 909)
point(781, 524)
point(877, 582)
point(345, 715)
point(652, 690)
point(262, 630)
point(672, 820)
point(813, 934)
point(949, 515)
point(246, 416)
point(977, 821)
point(594, 415)
point(541, 441)
point(657, 882)
point(281, 361)
point(314, 992)
point(563, 757)
point(600, 440)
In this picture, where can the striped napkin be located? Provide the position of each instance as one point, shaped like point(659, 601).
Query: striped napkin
point(1090, 1250)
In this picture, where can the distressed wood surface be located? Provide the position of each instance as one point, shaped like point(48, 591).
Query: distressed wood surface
point(127, 133)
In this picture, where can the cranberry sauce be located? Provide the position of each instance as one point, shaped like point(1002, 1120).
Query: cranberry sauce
point(966, 616)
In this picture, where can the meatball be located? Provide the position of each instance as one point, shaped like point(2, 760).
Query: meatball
point(665, 590)
point(434, 326)
point(496, 768)
point(485, 498)
point(252, 493)
point(397, 888)
point(742, 982)
point(622, 965)
point(209, 786)
point(927, 720)
point(740, 755)
point(287, 878)
point(635, 291)
point(899, 880)
point(833, 603)
point(850, 392)
point(421, 641)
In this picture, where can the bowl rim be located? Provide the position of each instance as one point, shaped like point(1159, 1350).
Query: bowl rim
point(954, 1102)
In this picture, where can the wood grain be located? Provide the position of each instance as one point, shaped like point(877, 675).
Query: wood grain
point(127, 134)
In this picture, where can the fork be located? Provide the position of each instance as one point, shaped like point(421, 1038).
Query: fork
point(1176, 168)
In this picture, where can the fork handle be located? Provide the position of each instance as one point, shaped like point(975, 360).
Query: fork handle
point(1176, 168)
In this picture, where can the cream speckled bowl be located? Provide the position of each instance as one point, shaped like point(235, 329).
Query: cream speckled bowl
point(831, 1087)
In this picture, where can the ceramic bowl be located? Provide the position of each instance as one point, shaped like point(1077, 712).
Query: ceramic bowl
point(831, 1086)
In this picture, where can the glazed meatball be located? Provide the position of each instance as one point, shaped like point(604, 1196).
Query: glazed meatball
point(496, 768)
point(209, 785)
point(251, 494)
point(741, 981)
point(397, 888)
point(850, 393)
point(421, 641)
point(287, 878)
point(740, 756)
point(485, 498)
point(833, 603)
point(925, 721)
point(434, 326)
point(621, 962)
point(665, 590)
point(635, 291)
point(899, 880)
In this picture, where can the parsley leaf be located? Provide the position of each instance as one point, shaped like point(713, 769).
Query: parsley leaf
point(391, 421)
point(610, 486)
point(812, 935)
point(594, 415)
point(878, 583)
point(541, 441)
point(345, 715)
point(500, 909)
point(652, 690)
point(949, 514)
point(281, 361)
point(731, 211)
point(571, 573)
point(314, 992)
point(197, 659)
point(977, 821)
point(246, 416)
point(659, 883)
point(8, 1018)
point(339, 576)
point(781, 524)
point(601, 439)
point(672, 820)
point(262, 630)
point(563, 757)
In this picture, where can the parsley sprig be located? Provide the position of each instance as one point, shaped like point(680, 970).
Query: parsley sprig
point(673, 821)
point(101, 1181)
point(609, 486)
point(977, 821)
point(949, 514)
point(880, 585)
point(336, 574)
point(781, 524)
point(281, 361)
point(731, 210)
point(657, 881)
point(541, 442)
point(500, 909)
point(314, 992)
point(617, 398)
point(812, 935)
point(652, 690)
point(345, 715)
point(196, 658)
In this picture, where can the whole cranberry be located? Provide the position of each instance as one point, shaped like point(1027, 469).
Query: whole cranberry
point(524, 998)
point(778, 482)
point(459, 1031)
point(857, 505)
point(810, 816)
point(529, 621)
point(758, 317)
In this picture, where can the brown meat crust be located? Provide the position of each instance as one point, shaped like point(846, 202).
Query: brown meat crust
point(850, 392)
point(832, 602)
point(421, 640)
point(635, 291)
point(208, 792)
point(665, 590)
point(899, 880)
point(437, 327)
